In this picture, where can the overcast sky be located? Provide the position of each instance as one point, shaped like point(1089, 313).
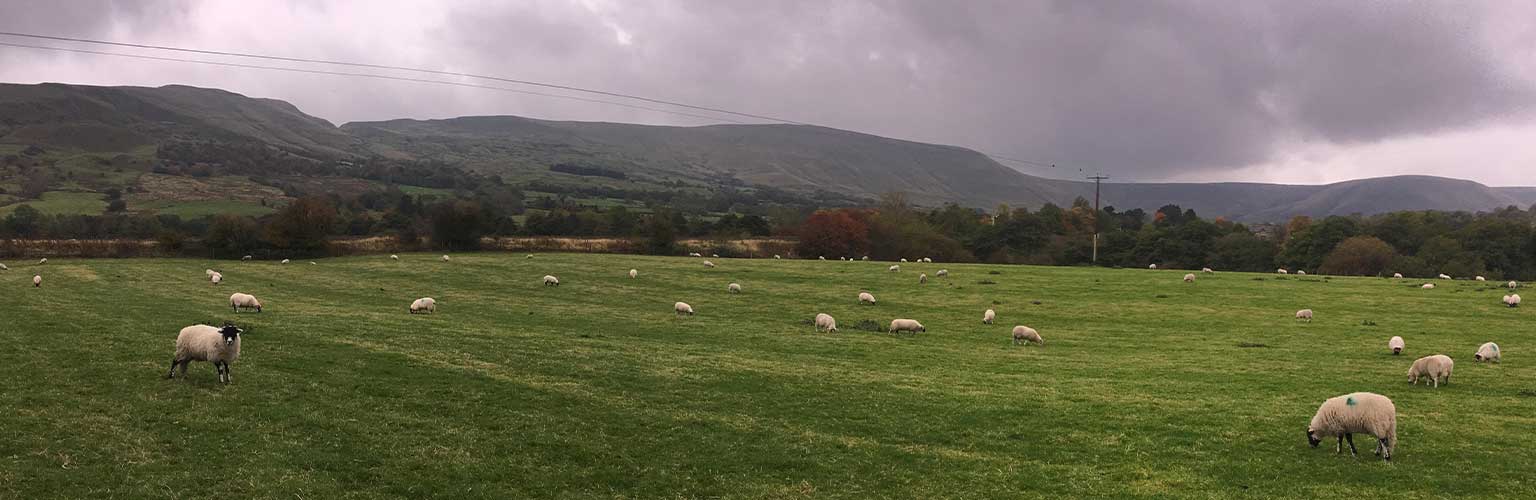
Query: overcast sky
point(1277, 91)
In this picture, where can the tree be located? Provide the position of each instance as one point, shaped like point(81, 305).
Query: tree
point(661, 234)
point(25, 221)
point(458, 225)
point(301, 227)
point(1242, 251)
point(1359, 256)
point(833, 232)
point(231, 236)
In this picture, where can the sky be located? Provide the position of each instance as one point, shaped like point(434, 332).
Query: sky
point(1289, 91)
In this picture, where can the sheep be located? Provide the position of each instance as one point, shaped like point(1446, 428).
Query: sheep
point(424, 305)
point(1489, 351)
point(1282, 271)
point(1301, 273)
point(1152, 266)
point(312, 263)
point(733, 288)
point(714, 255)
point(1428, 286)
point(1206, 270)
point(1397, 275)
point(1480, 278)
point(682, 308)
point(1512, 300)
point(865, 258)
point(709, 264)
point(821, 257)
point(394, 257)
point(37, 281)
point(943, 273)
point(220, 346)
point(285, 261)
point(530, 256)
point(1444, 276)
point(903, 259)
point(988, 317)
point(694, 254)
point(1396, 345)
point(1305, 314)
point(216, 278)
point(1513, 285)
point(1024, 335)
point(44, 260)
point(1437, 368)
point(894, 268)
point(866, 298)
point(922, 278)
point(3, 267)
point(906, 325)
point(245, 258)
point(551, 280)
point(777, 257)
point(1362, 412)
point(238, 301)
point(842, 258)
point(825, 323)
point(1189, 278)
point(633, 273)
point(446, 258)
point(208, 272)
point(928, 260)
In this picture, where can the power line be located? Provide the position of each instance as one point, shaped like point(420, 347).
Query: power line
point(1031, 163)
point(364, 75)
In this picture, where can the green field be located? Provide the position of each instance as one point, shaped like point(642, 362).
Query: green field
point(1147, 387)
point(204, 208)
point(63, 203)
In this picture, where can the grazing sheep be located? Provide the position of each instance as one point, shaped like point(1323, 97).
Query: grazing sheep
point(715, 255)
point(825, 323)
point(682, 308)
point(239, 301)
point(245, 258)
point(1301, 273)
point(1444, 276)
point(1428, 286)
point(1151, 266)
point(1397, 275)
point(1396, 345)
point(866, 298)
point(903, 259)
point(709, 264)
point(1024, 335)
point(1361, 412)
point(3, 267)
point(633, 273)
point(922, 278)
point(842, 258)
point(1282, 271)
point(894, 268)
point(1512, 300)
point(866, 258)
point(906, 325)
point(776, 257)
point(312, 263)
point(37, 281)
point(733, 288)
point(394, 257)
point(1514, 284)
point(220, 346)
point(1206, 270)
point(821, 257)
point(1480, 278)
point(530, 256)
point(1437, 368)
point(216, 278)
point(551, 280)
point(988, 317)
point(44, 260)
point(285, 261)
point(694, 254)
point(1305, 314)
point(209, 272)
point(447, 258)
point(1189, 278)
point(943, 273)
point(426, 305)
point(1489, 351)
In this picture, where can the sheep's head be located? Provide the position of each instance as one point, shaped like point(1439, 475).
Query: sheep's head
point(230, 333)
point(1478, 356)
point(1312, 438)
point(1397, 350)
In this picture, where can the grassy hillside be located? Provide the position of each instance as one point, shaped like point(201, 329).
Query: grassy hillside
point(1147, 386)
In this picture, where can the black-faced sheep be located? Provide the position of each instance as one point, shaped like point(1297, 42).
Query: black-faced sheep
point(220, 346)
point(1361, 412)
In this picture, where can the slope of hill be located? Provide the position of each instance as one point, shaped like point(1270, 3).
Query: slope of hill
point(1277, 202)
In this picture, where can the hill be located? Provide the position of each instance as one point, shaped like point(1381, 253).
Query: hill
point(87, 126)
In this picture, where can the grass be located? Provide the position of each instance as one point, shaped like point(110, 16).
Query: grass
point(63, 203)
point(204, 208)
point(594, 389)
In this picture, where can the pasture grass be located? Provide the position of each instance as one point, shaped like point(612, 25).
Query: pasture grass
point(1147, 386)
point(63, 203)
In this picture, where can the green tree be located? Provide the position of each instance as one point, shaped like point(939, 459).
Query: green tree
point(1359, 256)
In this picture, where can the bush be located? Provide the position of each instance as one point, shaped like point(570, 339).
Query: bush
point(1359, 256)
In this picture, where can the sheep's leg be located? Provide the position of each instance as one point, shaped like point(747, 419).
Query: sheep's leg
point(172, 373)
point(1339, 446)
point(1351, 439)
point(1386, 453)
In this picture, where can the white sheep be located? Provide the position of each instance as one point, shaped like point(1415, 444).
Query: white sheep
point(220, 346)
point(1428, 286)
point(633, 273)
point(1480, 278)
point(1362, 412)
point(447, 258)
point(943, 273)
point(1301, 273)
point(551, 280)
point(1305, 314)
point(1436, 368)
point(312, 263)
point(1189, 278)
point(865, 258)
point(37, 281)
point(1489, 351)
point(245, 258)
point(694, 254)
point(42, 261)
point(928, 260)
point(216, 278)
point(1282, 271)
point(894, 268)
point(1396, 345)
point(906, 325)
point(1151, 266)
point(394, 257)
point(1444, 276)
point(208, 272)
point(1514, 284)
point(709, 264)
point(922, 278)
point(825, 323)
point(1024, 335)
point(239, 301)
point(733, 288)
point(903, 259)
point(715, 255)
point(425, 305)
point(1512, 300)
point(682, 308)
point(821, 257)
point(988, 317)
point(1206, 270)
point(1397, 275)
point(776, 257)
point(842, 258)
point(4, 267)
point(530, 256)
point(866, 298)
point(285, 261)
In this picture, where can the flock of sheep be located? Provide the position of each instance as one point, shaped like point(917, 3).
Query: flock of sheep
point(1339, 417)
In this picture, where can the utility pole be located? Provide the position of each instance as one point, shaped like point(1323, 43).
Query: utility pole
point(1096, 179)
